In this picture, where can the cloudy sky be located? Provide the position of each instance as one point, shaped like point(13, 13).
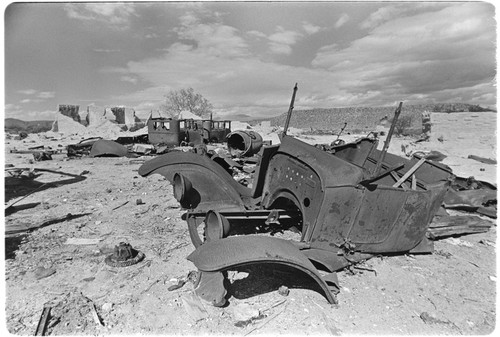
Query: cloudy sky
point(246, 57)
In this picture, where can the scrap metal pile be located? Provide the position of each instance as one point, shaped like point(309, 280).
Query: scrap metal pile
point(350, 202)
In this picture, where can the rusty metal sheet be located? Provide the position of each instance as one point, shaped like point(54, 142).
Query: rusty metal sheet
point(375, 219)
point(356, 152)
point(469, 199)
point(332, 170)
point(250, 249)
point(210, 186)
point(105, 148)
point(340, 207)
point(301, 173)
point(260, 171)
point(210, 287)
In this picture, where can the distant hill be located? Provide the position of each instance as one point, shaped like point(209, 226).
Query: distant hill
point(360, 119)
point(14, 125)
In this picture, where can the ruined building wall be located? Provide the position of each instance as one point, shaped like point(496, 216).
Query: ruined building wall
point(130, 117)
point(70, 111)
point(119, 113)
point(95, 115)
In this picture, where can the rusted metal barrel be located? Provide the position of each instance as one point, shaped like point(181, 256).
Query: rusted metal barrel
point(244, 143)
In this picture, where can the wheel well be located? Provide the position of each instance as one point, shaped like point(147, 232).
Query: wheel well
point(289, 204)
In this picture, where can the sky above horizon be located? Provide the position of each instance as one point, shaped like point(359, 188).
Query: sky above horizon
point(245, 57)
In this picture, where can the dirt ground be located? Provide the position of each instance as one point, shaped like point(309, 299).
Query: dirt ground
point(104, 201)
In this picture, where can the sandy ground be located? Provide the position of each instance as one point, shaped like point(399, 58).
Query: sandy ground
point(452, 291)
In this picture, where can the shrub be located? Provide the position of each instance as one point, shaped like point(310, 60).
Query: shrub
point(403, 125)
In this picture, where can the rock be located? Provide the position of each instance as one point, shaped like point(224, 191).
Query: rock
point(431, 318)
point(243, 312)
point(283, 291)
point(458, 242)
point(107, 307)
point(42, 272)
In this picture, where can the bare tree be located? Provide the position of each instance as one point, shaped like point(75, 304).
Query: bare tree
point(177, 101)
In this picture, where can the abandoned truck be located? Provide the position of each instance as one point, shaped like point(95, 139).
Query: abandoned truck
point(349, 204)
point(174, 132)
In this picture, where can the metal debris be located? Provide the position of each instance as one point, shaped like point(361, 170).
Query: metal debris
point(244, 143)
point(42, 323)
point(107, 148)
point(124, 255)
point(482, 159)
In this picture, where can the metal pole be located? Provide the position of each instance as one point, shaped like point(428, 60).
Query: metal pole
point(289, 115)
point(387, 140)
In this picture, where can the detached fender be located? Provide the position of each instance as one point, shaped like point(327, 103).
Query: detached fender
point(250, 249)
point(104, 147)
point(210, 186)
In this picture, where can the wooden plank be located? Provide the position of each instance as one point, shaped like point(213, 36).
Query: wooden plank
point(409, 173)
point(458, 220)
point(395, 176)
point(457, 225)
point(462, 230)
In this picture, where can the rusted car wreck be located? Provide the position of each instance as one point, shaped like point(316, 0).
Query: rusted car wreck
point(349, 203)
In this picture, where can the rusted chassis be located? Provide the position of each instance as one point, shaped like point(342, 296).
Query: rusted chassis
point(337, 204)
point(344, 211)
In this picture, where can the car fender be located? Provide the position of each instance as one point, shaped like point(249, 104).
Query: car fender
point(210, 186)
point(235, 251)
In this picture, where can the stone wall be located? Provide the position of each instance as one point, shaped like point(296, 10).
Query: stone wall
point(70, 111)
point(95, 115)
point(359, 120)
point(462, 127)
point(119, 113)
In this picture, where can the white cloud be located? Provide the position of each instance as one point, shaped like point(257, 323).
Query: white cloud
point(101, 50)
point(212, 38)
point(257, 34)
point(16, 111)
point(39, 115)
point(280, 48)
point(395, 11)
point(281, 41)
point(342, 20)
point(129, 79)
point(310, 28)
point(46, 94)
point(27, 92)
point(449, 49)
point(115, 15)
point(12, 107)
point(416, 59)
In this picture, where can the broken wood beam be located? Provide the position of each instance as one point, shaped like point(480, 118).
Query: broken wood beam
point(457, 225)
point(410, 172)
point(395, 176)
